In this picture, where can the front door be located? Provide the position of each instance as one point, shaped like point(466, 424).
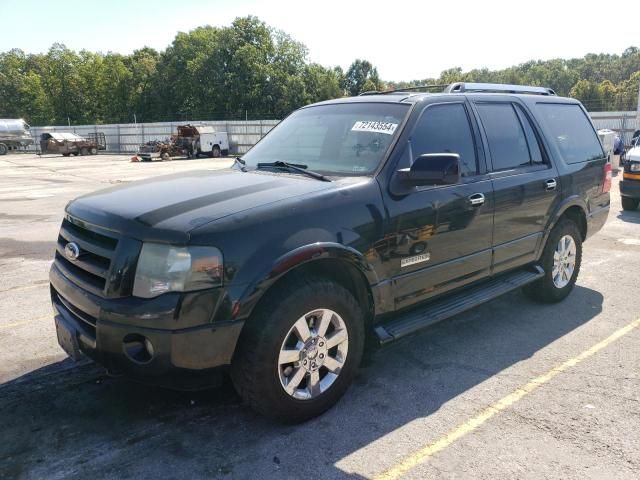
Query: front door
point(439, 237)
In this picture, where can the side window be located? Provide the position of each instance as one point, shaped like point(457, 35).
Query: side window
point(445, 129)
point(507, 141)
point(572, 131)
point(532, 140)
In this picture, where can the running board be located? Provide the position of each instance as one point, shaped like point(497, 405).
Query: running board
point(454, 304)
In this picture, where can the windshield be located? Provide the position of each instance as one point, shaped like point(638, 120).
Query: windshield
point(339, 139)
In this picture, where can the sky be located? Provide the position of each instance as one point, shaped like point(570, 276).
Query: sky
point(405, 40)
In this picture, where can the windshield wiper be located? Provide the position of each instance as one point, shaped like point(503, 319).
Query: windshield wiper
point(297, 167)
point(242, 163)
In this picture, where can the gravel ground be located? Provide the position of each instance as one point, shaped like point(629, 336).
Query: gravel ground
point(64, 420)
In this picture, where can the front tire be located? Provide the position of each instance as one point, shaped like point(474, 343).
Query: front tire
point(629, 203)
point(299, 353)
point(561, 261)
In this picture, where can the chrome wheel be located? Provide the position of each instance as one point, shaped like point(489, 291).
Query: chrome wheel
point(313, 354)
point(564, 261)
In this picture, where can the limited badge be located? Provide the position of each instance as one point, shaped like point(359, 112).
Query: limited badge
point(405, 262)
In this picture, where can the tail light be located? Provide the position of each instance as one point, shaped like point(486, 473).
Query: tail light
point(606, 178)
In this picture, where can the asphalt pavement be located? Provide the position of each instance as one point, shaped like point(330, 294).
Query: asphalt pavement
point(511, 389)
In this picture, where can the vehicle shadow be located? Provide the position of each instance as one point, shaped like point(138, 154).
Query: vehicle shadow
point(61, 422)
point(630, 217)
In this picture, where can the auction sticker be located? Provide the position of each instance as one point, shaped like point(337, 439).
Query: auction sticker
point(375, 127)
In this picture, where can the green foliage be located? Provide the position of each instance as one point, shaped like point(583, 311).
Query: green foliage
point(251, 69)
point(361, 76)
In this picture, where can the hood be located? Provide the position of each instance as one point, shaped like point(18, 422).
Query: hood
point(633, 154)
point(167, 208)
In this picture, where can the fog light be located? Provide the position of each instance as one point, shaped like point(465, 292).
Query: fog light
point(137, 348)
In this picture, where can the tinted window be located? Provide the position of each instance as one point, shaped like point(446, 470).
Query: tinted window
point(532, 140)
point(571, 131)
point(339, 139)
point(507, 141)
point(445, 129)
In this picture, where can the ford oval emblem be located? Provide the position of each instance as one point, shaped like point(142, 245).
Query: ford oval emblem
point(72, 251)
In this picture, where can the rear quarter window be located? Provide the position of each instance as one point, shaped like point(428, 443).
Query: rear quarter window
point(571, 131)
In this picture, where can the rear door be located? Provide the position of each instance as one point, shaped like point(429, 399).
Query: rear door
point(525, 183)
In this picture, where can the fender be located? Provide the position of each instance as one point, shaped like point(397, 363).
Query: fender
point(254, 291)
point(567, 203)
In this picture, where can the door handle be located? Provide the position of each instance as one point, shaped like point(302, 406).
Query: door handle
point(551, 184)
point(476, 199)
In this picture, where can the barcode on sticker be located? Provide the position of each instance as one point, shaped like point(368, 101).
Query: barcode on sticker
point(375, 127)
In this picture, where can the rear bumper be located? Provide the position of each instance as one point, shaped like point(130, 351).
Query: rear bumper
point(108, 331)
point(630, 188)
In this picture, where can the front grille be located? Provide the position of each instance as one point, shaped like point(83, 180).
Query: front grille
point(97, 248)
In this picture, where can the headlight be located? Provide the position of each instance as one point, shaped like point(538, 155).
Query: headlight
point(634, 166)
point(165, 268)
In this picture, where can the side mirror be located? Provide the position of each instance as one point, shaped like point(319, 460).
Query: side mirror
point(433, 169)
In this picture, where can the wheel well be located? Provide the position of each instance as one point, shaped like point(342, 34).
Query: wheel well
point(339, 271)
point(577, 215)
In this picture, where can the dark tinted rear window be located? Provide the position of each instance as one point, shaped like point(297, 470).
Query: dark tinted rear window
point(571, 131)
point(507, 141)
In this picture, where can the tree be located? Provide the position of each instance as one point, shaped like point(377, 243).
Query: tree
point(249, 68)
point(361, 74)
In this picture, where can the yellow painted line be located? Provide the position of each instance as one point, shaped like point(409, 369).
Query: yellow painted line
point(470, 425)
point(24, 322)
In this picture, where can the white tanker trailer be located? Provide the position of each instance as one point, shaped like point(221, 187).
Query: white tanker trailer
point(14, 133)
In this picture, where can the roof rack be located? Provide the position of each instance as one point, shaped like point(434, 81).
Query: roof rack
point(461, 87)
point(402, 90)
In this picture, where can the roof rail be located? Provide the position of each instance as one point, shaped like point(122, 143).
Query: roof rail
point(461, 87)
point(402, 90)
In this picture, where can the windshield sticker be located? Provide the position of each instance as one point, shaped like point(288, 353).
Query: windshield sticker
point(375, 127)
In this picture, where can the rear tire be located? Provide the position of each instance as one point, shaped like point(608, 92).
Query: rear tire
point(3, 149)
point(629, 203)
point(215, 151)
point(260, 371)
point(561, 261)
point(84, 151)
point(93, 151)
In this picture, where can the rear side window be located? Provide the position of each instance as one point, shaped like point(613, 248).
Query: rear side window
point(445, 129)
point(506, 137)
point(572, 132)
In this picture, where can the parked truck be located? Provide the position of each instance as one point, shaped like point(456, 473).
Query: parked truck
point(14, 133)
point(67, 143)
point(191, 140)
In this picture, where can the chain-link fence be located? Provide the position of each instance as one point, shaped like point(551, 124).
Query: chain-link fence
point(127, 137)
point(623, 123)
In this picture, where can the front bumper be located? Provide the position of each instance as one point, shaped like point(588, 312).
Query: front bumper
point(182, 354)
point(630, 188)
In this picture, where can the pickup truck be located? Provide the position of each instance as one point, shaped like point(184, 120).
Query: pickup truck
point(630, 183)
point(353, 223)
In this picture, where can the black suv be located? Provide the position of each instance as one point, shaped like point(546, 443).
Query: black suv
point(354, 220)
